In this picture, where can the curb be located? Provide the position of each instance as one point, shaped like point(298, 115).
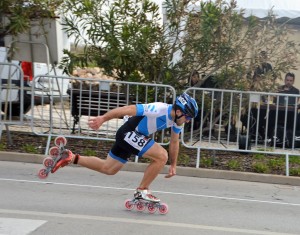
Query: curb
point(182, 171)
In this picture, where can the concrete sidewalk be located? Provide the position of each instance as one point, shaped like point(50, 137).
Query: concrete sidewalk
point(183, 171)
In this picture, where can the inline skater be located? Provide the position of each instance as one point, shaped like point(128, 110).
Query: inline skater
point(133, 138)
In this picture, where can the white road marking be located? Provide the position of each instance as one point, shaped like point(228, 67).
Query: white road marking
point(14, 226)
point(163, 192)
point(144, 222)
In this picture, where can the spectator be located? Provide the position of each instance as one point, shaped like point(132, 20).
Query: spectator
point(194, 79)
point(261, 71)
point(264, 68)
point(285, 121)
point(288, 86)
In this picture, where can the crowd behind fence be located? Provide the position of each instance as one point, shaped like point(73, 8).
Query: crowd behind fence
point(243, 121)
point(228, 120)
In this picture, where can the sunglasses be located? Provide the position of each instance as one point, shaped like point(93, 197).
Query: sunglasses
point(187, 117)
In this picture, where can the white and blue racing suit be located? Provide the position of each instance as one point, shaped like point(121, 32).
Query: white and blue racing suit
point(132, 136)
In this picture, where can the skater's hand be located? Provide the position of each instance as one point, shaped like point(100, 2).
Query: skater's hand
point(95, 123)
point(172, 172)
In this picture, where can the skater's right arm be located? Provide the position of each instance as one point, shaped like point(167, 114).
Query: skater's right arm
point(96, 122)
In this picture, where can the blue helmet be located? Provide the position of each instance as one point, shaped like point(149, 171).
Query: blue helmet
point(187, 105)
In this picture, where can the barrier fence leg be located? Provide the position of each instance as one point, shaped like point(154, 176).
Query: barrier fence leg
point(198, 158)
point(48, 145)
point(287, 165)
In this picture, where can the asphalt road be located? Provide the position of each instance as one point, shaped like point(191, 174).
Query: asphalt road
point(78, 201)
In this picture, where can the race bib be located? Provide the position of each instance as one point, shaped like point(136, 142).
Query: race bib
point(136, 140)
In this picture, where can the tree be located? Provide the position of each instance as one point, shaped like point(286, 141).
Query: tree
point(18, 16)
point(213, 38)
point(126, 37)
point(216, 39)
point(19, 13)
point(122, 36)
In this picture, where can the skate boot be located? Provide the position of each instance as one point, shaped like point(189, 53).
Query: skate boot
point(58, 157)
point(146, 195)
point(144, 199)
point(67, 157)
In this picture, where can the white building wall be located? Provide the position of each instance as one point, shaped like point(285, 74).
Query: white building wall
point(43, 43)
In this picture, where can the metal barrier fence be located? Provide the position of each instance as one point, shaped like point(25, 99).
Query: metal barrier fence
point(13, 96)
point(255, 122)
point(86, 98)
point(228, 120)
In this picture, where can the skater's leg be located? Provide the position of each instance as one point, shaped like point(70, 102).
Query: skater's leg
point(109, 166)
point(159, 157)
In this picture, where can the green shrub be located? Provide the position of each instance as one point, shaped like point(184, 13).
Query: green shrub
point(234, 164)
point(89, 152)
point(183, 160)
point(206, 162)
point(29, 148)
point(295, 172)
point(2, 147)
point(294, 159)
point(259, 156)
point(260, 167)
point(276, 164)
point(142, 159)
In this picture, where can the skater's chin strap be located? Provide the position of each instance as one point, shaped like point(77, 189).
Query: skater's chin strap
point(177, 117)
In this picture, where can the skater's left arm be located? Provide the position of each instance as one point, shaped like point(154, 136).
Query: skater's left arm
point(96, 122)
point(173, 153)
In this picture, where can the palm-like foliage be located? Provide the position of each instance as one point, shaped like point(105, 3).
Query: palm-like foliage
point(123, 36)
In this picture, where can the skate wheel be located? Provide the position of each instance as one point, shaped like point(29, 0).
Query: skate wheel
point(43, 174)
point(60, 140)
point(48, 162)
point(54, 152)
point(140, 206)
point(163, 209)
point(152, 208)
point(129, 204)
